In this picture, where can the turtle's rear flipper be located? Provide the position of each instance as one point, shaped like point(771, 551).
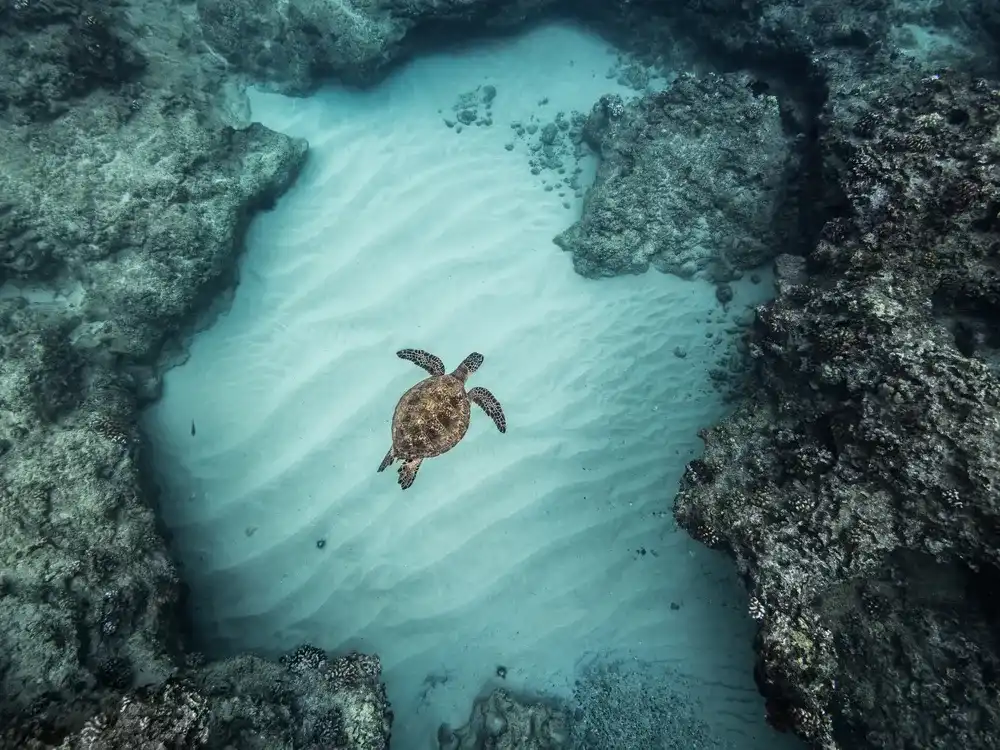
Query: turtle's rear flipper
point(408, 472)
point(389, 458)
point(420, 358)
point(489, 404)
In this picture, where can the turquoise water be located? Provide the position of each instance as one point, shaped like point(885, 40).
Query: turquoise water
point(538, 549)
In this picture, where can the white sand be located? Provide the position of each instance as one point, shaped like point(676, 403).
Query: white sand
point(516, 549)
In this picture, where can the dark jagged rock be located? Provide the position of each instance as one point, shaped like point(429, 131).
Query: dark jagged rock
point(132, 220)
point(244, 702)
point(87, 587)
point(74, 48)
point(693, 180)
point(859, 491)
point(777, 30)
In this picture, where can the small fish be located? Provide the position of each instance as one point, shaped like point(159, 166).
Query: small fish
point(193, 431)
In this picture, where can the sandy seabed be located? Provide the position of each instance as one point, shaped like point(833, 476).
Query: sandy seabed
point(534, 549)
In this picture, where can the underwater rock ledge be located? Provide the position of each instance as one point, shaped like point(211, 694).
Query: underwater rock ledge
point(298, 46)
point(124, 196)
point(693, 180)
point(859, 488)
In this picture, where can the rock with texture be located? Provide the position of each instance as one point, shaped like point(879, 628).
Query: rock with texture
point(309, 702)
point(297, 45)
point(859, 490)
point(693, 180)
point(126, 185)
point(63, 50)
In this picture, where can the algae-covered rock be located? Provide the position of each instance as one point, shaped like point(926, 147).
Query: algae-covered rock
point(693, 180)
point(858, 488)
point(244, 702)
point(125, 191)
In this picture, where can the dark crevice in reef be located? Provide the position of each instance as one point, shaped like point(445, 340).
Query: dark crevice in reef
point(855, 487)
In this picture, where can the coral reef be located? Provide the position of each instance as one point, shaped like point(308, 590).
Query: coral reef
point(126, 183)
point(310, 702)
point(74, 48)
point(615, 704)
point(692, 179)
point(857, 490)
point(636, 704)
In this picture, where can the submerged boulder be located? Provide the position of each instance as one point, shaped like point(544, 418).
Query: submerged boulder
point(693, 180)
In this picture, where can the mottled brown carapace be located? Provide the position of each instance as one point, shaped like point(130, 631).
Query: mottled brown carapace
point(430, 418)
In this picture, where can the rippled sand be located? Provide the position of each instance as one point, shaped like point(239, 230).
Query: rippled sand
point(528, 549)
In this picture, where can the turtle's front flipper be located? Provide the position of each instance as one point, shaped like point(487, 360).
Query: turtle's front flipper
point(428, 361)
point(408, 472)
point(469, 365)
point(489, 404)
point(389, 458)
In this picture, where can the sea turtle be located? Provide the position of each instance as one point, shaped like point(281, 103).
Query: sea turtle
point(433, 415)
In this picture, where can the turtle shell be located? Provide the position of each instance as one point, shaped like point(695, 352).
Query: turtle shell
point(430, 418)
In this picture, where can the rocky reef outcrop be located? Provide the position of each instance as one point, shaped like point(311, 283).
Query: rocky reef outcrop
point(61, 51)
point(856, 489)
point(859, 488)
point(694, 180)
point(308, 701)
point(125, 187)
